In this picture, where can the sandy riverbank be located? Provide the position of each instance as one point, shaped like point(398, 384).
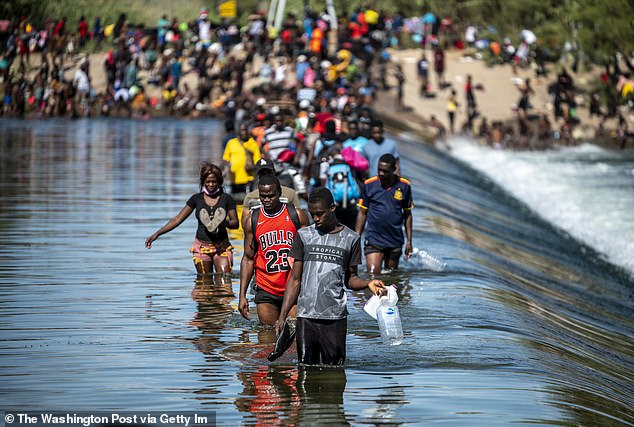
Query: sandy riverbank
point(495, 102)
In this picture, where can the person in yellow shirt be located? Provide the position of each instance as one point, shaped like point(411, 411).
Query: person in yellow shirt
point(240, 156)
point(452, 107)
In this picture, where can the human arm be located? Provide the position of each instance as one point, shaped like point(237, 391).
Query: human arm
point(309, 159)
point(408, 232)
point(246, 265)
point(361, 217)
point(303, 217)
point(299, 144)
point(356, 283)
point(255, 149)
point(293, 287)
point(170, 225)
point(232, 219)
point(226, 160)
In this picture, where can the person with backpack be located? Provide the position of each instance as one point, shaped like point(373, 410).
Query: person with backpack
point(341, 180)
point(329, 169)
point(385, 205)
point(252, 199)
point(269, 231)
point(323, 148)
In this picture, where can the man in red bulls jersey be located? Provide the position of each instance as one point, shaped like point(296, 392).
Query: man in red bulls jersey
point(268, 234)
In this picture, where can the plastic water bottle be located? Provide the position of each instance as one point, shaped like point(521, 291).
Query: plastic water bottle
point(389, 322)
point(431, 262)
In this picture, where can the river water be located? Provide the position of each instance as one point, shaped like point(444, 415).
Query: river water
point(528, 324)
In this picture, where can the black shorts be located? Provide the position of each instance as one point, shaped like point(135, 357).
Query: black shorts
point(264, 297)
point(321, 342)
point(393, 254)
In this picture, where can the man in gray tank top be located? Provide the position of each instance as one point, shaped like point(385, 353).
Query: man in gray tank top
point(326, 256)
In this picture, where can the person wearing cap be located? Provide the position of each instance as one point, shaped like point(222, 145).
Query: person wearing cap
point(252, 199)
point(300, 69)
point(302, 119)
point(260, 126)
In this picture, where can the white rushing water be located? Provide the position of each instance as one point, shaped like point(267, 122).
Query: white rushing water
point(585, 190)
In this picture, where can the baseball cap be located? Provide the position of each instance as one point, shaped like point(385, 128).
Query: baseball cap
point(264, 164)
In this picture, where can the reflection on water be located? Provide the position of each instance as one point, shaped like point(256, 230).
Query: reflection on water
point(283, 395)
point(523, 326)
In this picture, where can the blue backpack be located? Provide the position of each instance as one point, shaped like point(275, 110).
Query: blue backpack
point(342, 184)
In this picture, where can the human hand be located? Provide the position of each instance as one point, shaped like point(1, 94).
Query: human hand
point(243, 307)
point(279, 324)
point(408, 249)
point(377, 287)
point(149, 240)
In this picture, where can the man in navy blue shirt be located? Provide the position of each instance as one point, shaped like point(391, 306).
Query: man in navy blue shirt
point(386, 205)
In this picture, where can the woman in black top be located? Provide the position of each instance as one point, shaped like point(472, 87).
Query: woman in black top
point(215, 211)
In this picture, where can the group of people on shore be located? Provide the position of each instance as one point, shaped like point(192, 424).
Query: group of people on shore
point(145, 68)
point(530, 128)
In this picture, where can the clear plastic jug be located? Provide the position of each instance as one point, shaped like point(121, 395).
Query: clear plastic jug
point(389, 322)
point(423, 259)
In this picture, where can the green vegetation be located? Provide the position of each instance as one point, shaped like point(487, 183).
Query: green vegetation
point(601, 29)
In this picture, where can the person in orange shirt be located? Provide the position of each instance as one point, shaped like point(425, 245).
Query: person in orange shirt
point(317, 41)
point(257, 132)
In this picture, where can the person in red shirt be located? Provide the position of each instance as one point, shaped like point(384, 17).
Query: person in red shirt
point(82, 30)
point(59, 27)
point(268, 234)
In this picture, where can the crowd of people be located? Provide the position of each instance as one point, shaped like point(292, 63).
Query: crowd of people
point(307, 129)
point(199, 68)
point(607, 97)
point(143, 70)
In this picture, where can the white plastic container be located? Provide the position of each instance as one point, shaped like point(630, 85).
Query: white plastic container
point(389, 322)
point(374, 302)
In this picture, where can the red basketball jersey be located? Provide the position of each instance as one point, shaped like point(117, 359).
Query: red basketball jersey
point(274, 235)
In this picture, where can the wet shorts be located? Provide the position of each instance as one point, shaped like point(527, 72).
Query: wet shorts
point(205, 251)
point(321, 342)
point(393, 254)
point(264, 297)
